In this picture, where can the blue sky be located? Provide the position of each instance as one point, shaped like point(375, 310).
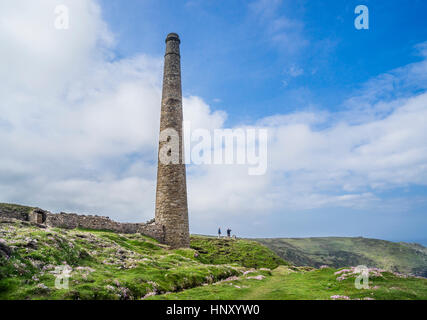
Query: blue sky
point(229, 51)
point(234, 58)
point(345, 110)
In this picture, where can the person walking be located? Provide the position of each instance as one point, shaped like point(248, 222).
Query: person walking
point(219, 233)
point(228, 232)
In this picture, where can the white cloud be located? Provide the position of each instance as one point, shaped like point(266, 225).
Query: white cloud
point(291, 73)
point(323, 160)
point(199, 114)
point(79, 131)
point(295, 71)
point(70, 118)
point(36, 57)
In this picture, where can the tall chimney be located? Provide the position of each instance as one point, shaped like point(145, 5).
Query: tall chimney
point(171, 193)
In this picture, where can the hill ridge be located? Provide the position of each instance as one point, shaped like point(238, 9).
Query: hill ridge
point(337, 252)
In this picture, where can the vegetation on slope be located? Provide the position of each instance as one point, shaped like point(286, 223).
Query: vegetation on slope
point(287, 283)
point(9, 207)
point(246, 253)
point(105, 265)
point(341, 252)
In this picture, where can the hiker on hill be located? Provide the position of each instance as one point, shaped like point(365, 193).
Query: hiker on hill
point(219, 233)
point(228, 232)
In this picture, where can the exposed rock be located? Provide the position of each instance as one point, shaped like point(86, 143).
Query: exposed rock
point(5, 250)
point(32, 243)
point(259, 277)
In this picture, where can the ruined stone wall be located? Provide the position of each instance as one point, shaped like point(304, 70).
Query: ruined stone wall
point(73, 221)
point(15, 212)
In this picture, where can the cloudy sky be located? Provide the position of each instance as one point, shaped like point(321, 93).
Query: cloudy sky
point(346, 111)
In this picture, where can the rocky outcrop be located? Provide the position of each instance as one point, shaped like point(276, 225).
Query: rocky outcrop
point(5, 250)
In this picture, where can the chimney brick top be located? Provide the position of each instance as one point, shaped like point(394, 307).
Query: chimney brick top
point(173, 36)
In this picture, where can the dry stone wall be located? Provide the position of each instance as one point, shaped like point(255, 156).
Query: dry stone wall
point(15, 212)
point(73, 221)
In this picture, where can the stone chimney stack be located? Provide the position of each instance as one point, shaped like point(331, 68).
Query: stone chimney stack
point(171, 193)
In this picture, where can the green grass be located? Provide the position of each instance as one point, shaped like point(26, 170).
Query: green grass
point(246, 253)
point(286, 283)
point(107, 265)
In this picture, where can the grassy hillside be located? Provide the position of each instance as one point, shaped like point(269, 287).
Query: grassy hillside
point(106, 265)
point(341, 252)
point(15, 208)
point(285, 283)
point(243, 252)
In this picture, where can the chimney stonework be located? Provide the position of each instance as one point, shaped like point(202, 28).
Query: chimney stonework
point(171, 193)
